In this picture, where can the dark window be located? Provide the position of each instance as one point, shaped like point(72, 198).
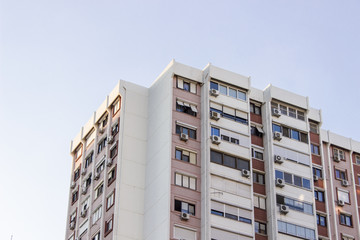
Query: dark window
point(286, 132)
point(260, 227)
point(215, 212)
point(96, 237)
point(181, 206)
point(186, 86)
point(340, 174)
point(214, 85)
point(101, 145)
point(317, 172)
point(104, 121)
point(115, 129)
point(190, 132)
point(75, 196)
point(111, 176)
point(321, 220)
point(108, 226)
point(315, 149)
point(319, 196)
point(288, 178)
point(304, 137)
point(256, 154)
point(255, 109)
point(88, 160)
point(113, 151)
point(229, 161)
point(231, 216)
point(255, 132)
point(345, 220)
point(185, 108)
point(258, 178)
point(297, 181)
point(88, 181)
point(234, 140)
point(76, 174)
point(245, 220)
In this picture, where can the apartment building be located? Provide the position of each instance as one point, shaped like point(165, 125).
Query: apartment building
point(201, 154)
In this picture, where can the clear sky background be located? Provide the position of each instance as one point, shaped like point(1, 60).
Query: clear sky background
point(59, 60)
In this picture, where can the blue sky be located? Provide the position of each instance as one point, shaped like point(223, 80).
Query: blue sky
point(59, 59)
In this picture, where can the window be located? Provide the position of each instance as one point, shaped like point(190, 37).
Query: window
point(315, 149)
point(260, 227)
point(116, 107)
point(185, 207)
point(108, 226)
point(229, 161)
point(78, 152)
point(99, 190)
point(291, 133)
point(339, 174)
point(339, 153)
point(75, 196)
point(343, 195)
point(185, 181)
point(96, 236)
point(358, 178)
point(115, 129)
point(73, 217)
point(101, 167)
point(295, 230)
point(101, 145)
point(113, 151)
point(215, 131)
point(96, 215)
point(295, 204)
point(317, 172)
point(83, 228)
point(314, 128)
point(320, 220)
point(258, 178)
point(228, 91)
point(186, 108)
point(255, 131)
point(88, 181)
point(186, 85)
point(110, 200)
point(357, 159)
point(89, 159)
point(85, 204)
point(231, 212)
point(257, 154)
point(112, 176)
point(103, 121)
point(255, 109)
point(185, 156)
point(293, 179)
point(289, 111)
point(345, 219)
point(319, 196)
point(259, 202)
point(77, 174)
point(190, 132)
point(229, 113)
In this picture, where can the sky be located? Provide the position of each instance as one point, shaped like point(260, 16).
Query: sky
point(59, 60)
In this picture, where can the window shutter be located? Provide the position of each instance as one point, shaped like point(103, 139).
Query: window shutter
point(229, 111)
point(193, 87)
point(180, 83)
point(216, 106)
point(241, 114)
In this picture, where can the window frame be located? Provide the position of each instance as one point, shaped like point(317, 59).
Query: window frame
point(183, 178)
point(109, 225)
point(237, 160)
point(345, 216)
point(177, 202)
point(111, 179)
point(191, 153)
point(257, 178)
point(338, 190)
point(116, 106)
point(111, 195)
point(264, 232)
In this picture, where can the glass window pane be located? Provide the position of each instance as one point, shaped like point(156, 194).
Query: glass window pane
point(232, 92)
point(288, 178)
point(223, 90)
point(306, 183)
point(192, 134)
point(178, 179)
point(242, 95)
point(291, 229)
point(276, 128)
point(297, 181)
point(295, 134)
point(229, 161)
point(243, 164)
point(214, 85)
point(215, 131)
point(292, 112)
point(283, 109)
point(300, 231)
point(178, 154)
point(282, 226)
point(279, 174)
point(216, 157)
point(286, 132)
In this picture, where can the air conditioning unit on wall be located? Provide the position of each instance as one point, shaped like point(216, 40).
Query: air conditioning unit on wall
point(278, 159)
point(215, 115)
point(276, 112)
point(214, 92)
point(284, 209)
point(277, 136)
point(184, 137)
point(185, 216)
point(215, 139)
point(279, 182)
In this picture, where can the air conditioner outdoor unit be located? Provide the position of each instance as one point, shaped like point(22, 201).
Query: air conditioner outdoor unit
point(97, 175)
point(277, 136)
point(276, 112)
point(215, 115)
point(83, 171)
point(84, 190)
point(284, 209)
point(215, 139)
point(344, 183)
point(245, 173)
point(341, 202)
point(73, 184)
point(214, 92)
point(279, 182)
point(184, 137)
point(83, 213)
point(185, 216)
point(110, 139)
point(336, 158)
point(109, 162)
point(278, 159)
point(316, 177)
point(72, 225)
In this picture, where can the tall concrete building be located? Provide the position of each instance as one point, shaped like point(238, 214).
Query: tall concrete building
point(203, 155)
